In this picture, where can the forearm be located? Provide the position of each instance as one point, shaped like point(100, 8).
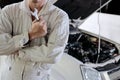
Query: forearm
point(43, 53)
point(9, 44)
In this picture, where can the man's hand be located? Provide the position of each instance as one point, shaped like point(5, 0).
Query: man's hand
point(39, 29)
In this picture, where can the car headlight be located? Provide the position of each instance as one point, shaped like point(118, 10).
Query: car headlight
point(90, 73)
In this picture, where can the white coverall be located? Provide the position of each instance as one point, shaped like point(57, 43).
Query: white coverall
point(33, 61)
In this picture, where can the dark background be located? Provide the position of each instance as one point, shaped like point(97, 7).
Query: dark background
point(79, 8)
point(83, 8)
point(113, 7)
point(6, 2)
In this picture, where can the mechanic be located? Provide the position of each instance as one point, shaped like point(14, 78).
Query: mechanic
point(31, 46)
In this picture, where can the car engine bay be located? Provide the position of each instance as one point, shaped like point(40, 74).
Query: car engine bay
point(85, 48)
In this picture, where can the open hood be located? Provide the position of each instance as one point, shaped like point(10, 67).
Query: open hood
point(107, 24)
point(80, 8)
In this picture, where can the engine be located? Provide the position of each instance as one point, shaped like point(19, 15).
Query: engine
point(84, 47)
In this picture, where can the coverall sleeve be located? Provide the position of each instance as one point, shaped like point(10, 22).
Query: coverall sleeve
point(52, 52)
point(8, 43)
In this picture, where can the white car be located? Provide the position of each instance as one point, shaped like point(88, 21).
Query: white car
point(93, 50)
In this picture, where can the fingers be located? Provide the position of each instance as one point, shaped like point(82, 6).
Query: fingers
point(41, 22)
point(40, 19)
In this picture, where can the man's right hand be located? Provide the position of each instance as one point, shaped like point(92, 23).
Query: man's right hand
point(38, 29)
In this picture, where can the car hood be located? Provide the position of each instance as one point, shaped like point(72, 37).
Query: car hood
point(107, 24)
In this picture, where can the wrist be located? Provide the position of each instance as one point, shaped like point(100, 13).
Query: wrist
point(30, 36)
